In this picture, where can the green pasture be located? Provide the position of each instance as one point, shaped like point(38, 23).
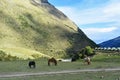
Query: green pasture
point(107, 57)
point(99, 61)
point(74, 76)
point(41, 65)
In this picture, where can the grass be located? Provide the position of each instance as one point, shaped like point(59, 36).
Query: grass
point(23, 53)
point(107, 57)
point(22, 66)
point(40, 28)
point(76, 76)
point(62, 66)
point(43, 33)
point(17, 19)
point(98, 62)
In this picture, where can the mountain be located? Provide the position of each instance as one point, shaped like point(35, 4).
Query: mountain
point(38, 26)
point(111, 43)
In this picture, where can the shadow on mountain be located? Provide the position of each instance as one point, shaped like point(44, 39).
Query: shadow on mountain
point(78, 40)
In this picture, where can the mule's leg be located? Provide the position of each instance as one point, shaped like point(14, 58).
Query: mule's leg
point(29, 66)
point(88, 62)
point(34, 66)
point(55, 63)
point(48, 63)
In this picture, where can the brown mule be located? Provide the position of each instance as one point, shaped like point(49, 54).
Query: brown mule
point(52, 60)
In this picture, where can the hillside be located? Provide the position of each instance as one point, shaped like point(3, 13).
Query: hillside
point(37, 25)
point(111, 43)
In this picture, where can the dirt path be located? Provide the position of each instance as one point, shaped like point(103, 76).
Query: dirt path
point(57, 72)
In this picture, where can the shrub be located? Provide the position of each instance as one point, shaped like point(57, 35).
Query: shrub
point(2, 55)
point(87, 51)
point(36, 56)
point(7, 57)
point(24, 21)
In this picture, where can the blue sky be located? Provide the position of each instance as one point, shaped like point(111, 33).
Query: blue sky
point(99, 19)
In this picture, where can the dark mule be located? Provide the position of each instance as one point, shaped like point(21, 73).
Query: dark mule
point(52, 60)
point(32, 64)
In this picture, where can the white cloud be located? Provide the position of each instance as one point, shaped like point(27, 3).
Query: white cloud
point(99, 30)
point(110, 12)
point(101, 34)
point(113, 9)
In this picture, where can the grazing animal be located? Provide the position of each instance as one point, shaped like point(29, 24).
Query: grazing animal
point(32, 64)
point(52, 60)
point(87, 59)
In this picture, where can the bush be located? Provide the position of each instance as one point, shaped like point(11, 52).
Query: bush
point(24, 21)
point(7, 57)
point(75, 57)
point(87, 51)
point(36, 56)
point(2, 55)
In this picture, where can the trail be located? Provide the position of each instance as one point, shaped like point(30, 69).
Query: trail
point(55, 72)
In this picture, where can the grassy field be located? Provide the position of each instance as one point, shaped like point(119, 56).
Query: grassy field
point(21, 66)
point(75, 76)
point(100, 61)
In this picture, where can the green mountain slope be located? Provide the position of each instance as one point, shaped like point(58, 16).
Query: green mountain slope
point(37, 25)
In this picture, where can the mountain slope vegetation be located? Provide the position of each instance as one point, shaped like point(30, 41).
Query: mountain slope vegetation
point(37, 25)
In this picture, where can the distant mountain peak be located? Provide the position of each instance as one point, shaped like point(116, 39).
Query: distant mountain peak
point(118, 38)
point(111, 43)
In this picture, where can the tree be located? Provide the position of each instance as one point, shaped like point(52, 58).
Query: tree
point(87, 51)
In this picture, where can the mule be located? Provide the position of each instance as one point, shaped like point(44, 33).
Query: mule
point(32, 64)
point(87, 59)
point(52, 60)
